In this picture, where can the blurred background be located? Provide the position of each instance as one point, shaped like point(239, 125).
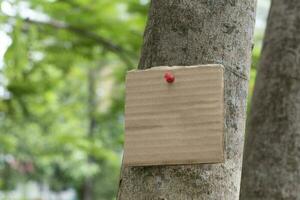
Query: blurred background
point(62, 72)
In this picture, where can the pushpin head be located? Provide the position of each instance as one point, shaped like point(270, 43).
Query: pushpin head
point(169, 77)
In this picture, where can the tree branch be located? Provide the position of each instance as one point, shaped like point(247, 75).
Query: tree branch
point(124, 54)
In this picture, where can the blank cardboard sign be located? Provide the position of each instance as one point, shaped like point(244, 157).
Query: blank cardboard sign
point(174, 123)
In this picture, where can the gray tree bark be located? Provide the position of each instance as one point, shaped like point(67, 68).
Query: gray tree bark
point(191, 32)
point(271, 168)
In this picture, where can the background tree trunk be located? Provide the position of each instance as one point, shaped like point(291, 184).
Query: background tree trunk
point(271, 168)
point(87, 188)
point(182, 32)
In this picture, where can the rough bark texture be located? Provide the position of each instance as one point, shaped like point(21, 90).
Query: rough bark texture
point(191, 32)
point(271, 168)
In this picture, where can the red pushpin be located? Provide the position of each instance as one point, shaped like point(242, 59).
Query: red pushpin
point(169, 77)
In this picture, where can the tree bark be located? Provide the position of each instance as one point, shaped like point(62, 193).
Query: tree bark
point(191, 32)
point(271, 167)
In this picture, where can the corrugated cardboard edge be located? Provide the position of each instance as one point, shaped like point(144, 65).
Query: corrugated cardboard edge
point(191, 162)
point(177, 67)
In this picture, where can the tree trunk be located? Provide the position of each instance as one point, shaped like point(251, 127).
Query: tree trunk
point(182, 32)
point(271, 167)
point(88, 183)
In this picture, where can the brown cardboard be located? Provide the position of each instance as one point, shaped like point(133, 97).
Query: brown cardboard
point(174, 123)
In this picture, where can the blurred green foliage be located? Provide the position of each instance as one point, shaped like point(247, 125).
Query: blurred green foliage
point(61, 120)
point(253, 71)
